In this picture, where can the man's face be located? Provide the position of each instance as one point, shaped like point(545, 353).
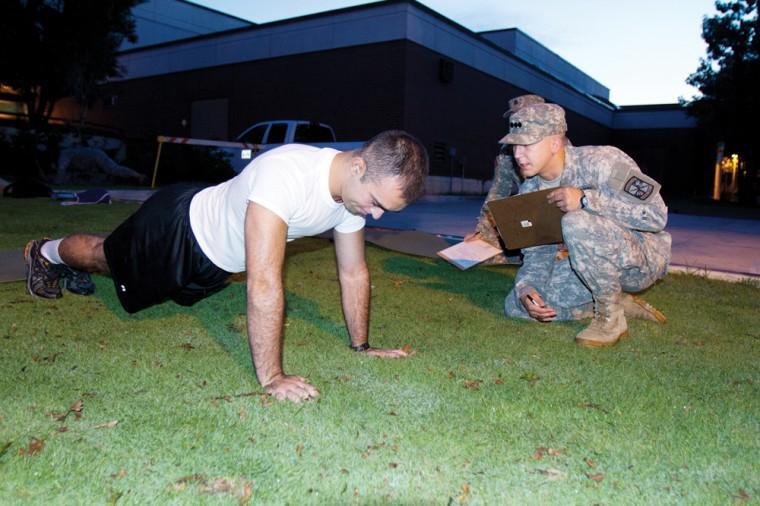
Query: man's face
point(533, 158)
point(367, 197)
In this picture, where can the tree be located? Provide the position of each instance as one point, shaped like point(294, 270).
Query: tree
point(728, 79)
point(60, 48)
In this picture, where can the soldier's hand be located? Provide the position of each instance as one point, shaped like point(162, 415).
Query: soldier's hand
point(537, 308)
point(567, 198)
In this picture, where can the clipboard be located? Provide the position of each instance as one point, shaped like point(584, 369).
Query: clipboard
point(527, 220)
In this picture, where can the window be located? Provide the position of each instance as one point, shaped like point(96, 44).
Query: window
point(312, 132)
point(255, 135)
point(277, 133)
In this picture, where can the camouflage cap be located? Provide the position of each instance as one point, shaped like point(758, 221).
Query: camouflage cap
point(518, 103)
point(534, 122)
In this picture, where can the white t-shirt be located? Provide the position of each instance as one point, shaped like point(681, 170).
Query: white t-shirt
point(292, 181)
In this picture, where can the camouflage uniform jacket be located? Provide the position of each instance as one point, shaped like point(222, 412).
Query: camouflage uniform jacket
point(590, 168)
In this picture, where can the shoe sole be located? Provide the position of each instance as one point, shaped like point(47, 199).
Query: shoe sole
point(599, 344)
point(659, 316)
point(28, 262)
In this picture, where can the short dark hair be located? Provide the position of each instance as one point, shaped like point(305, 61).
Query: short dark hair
point(395, 153)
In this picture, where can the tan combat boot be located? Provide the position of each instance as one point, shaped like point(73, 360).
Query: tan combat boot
point(608, 325)
point(635, 307)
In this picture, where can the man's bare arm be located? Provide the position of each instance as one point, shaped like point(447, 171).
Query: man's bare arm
point(265, 238)
point(355, 290)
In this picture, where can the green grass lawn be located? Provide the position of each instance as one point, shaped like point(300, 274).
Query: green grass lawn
point(100, 407)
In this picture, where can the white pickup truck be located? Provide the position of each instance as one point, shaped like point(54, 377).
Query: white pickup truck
point(271, 134)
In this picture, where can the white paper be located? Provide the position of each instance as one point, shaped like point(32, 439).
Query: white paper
point(468, 253)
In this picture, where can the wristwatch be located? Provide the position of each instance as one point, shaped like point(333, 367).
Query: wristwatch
point(584, 201)
point(359, 347)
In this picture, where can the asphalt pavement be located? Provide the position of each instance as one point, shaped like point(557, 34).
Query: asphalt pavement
point(724, 248)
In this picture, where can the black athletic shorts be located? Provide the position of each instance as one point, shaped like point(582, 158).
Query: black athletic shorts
point(153, 256)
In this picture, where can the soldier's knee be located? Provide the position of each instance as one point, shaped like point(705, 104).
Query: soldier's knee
point(574, 221)
point(513, 308)
point(574, 227)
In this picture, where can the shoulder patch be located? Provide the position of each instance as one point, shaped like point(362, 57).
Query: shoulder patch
point(637, 187)
point(633, 184)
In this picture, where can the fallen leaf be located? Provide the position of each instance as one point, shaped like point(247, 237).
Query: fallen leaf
point(498, 380)
point(299, 449)
point(182, 483)
point(62, 428)
point(472, 384)
point(75, 408)
point(244, 492)
point(393, 465)
point(595, 477)
point(107, 425)
point(121, 474)
point(47, 359)
point(542, 450)
point(552, 474)
point(742, 496)
point(187, 346)
point(200, 477)
point(406, 347)
point(218, 486)
point(530, 377)
point(115, 496)
point(590, 463)
point(593, 405)
point(465, 492)
point(35, 447)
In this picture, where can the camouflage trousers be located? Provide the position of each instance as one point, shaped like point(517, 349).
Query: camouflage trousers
point(604, 258)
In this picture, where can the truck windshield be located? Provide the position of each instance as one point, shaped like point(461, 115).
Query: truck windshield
point(313, 132)
point(255, 135)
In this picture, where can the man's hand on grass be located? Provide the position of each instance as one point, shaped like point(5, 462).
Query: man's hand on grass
point(391, 353)
point(292, 388)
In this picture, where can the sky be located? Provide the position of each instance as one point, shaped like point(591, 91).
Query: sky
point(642, 50)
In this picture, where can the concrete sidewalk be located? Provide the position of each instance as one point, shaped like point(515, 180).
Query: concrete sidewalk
point(725, 248)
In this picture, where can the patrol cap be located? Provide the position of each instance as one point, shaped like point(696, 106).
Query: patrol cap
point(534, 122)
point(518, 103)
